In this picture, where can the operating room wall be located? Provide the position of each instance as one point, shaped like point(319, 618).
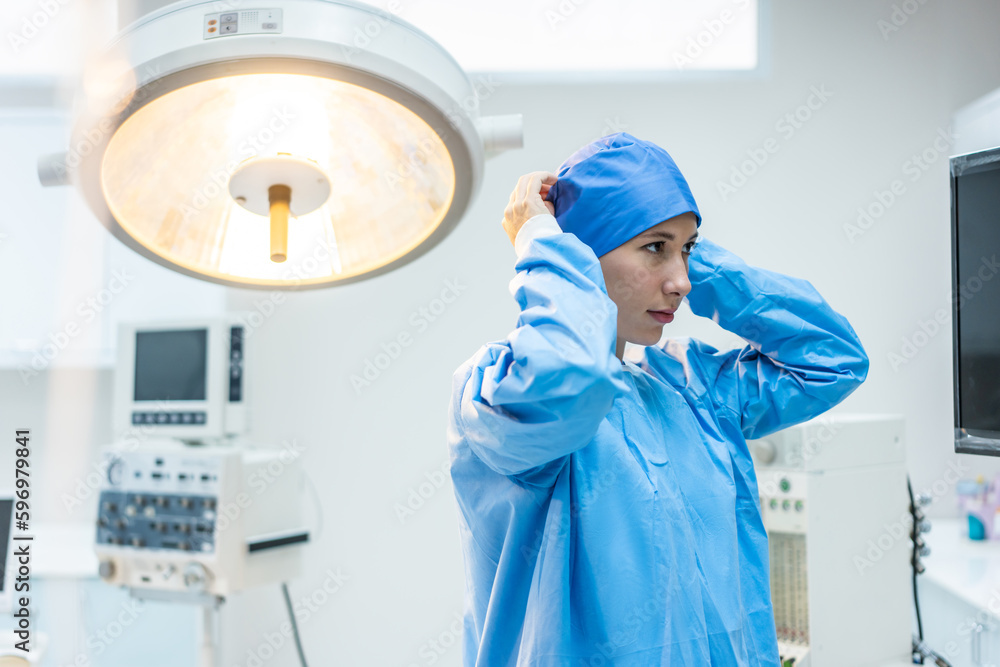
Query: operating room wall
point(887, 99)
point(374, 448)
point(383, 578)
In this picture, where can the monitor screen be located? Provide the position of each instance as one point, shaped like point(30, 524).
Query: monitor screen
point(976, 298)
point(171, 365)
point(6, 508)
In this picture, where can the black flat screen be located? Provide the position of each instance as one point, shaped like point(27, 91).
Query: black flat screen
point(6, 505)
point(976, 202)
point(171, 365)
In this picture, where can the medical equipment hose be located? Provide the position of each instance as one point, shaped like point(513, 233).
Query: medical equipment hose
point(295, 627)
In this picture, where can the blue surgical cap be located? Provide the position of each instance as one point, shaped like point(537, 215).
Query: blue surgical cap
point(617, 187)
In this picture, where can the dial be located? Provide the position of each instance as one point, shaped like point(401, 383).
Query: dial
point(196, 576)
point(114, 474)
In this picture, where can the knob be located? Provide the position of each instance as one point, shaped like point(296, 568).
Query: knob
point(764, 451)
point(185, 502)
point(137, 541)
point(168, 571)
point(924, 551)
point(106, 569)
point(196, 576)
point(924, 526)
point(115, 471)
point(924, 499)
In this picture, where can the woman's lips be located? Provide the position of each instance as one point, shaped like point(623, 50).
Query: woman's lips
point(661, 316)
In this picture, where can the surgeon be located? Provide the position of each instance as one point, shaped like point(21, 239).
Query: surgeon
point(608, 510)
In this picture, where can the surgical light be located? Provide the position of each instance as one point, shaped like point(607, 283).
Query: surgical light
point(285, 144)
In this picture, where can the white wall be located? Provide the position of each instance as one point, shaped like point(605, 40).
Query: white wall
point(889, 99)
point(366, 451)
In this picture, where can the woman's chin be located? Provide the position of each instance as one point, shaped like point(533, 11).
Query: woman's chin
point(647, 338)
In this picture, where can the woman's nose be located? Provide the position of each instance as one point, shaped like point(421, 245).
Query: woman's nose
point(676, 279)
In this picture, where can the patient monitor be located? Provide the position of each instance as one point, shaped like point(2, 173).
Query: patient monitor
point(182, 379)
point(188, 512)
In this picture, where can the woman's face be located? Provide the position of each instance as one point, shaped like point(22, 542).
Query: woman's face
point(647, 277)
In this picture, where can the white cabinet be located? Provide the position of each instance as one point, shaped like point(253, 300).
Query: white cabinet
point(965, 635)
point(960, 596)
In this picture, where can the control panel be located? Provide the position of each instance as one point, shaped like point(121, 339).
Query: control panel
point(181, 522)
point(199, 519)
point(235, 364)
point(783, 500)
point(244, 22)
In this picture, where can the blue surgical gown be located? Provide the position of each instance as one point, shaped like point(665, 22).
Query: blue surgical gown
point(609, 513)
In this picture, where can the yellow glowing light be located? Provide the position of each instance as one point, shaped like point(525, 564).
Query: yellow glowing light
point(166, 171)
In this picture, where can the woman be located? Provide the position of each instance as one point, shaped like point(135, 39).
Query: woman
point(609, 511)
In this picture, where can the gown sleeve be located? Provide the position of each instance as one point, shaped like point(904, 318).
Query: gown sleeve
point(802, 357)
point(541, 393)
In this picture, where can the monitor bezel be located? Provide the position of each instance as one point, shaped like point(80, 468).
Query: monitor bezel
point(967, 441)
point(216, 387)
point(8, 596)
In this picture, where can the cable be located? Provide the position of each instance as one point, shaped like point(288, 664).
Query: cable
point(914, 531)
point(913, 559)
point(924, 651)
point(295, 627)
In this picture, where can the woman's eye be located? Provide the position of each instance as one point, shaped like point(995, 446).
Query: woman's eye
point(654, 247)
point(688, 247)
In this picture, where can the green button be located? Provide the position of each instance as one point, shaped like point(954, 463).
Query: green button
point(774, 504)
point(785, 504)
point(798, 505)
point(785, 484)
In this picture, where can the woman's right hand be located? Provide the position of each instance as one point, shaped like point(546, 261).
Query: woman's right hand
point(528, 200)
